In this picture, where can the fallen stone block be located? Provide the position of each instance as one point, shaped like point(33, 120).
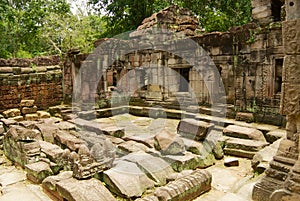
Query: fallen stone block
point(48, 131)
point(127, 180)
point(169, 143)
point(229, 162)
point(27, 103)
point(243, 148)
point(43, 114)
point(17, 118)
point(275, 135)
point(64, 187)
point(65, 139)
point(29, 110)
point(99, 128)
point(243, 116)
point(130, 147)
point(244, 133)
point(11, 113)
point(52, 151)
point(155, 168)
point(37, 172)
point(184, 189)
point(194, 129)
point(65, 126)
point(1, 128)
point(262, 158)
point(31, 117)
point(189, 161)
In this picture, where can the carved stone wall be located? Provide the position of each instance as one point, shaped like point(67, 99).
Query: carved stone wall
point(282, 180)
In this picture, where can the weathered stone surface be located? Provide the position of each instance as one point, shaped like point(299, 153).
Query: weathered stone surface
point(186, 188)
point(29, 110)
point(243, 147)
point(52, 151)
point(242, 116)
point(155, 168)
point(64, 138)
point(48, 131)
point(194, 129)
point(1, 128)
point(229, 162)
point(27, 103)
point(275, 135)
point(169, 143)
point(146, 139)
point(37, 172)
point(11, 113)
point(130, 147)
point(292, 94)
point(64, 187)
point(126, 179)
point(262, 158)
point(17, 118)
point(290, 37)
point(99, 128)
point(31, 117)
point(65, 126)
point(189, 161)
point(20, 145)
point(43, 114)
point(244, 133)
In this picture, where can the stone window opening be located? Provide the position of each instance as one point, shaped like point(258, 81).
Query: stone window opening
point(278, 75)
point(276, 6)
point(184, 79)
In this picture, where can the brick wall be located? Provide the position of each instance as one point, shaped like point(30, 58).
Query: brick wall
point(39, 79)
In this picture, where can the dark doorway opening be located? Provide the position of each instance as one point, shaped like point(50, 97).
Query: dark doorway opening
point(276, 6)
point(184, 79)
point(278, 75)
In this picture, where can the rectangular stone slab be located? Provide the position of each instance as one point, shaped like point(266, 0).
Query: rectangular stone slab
point(194, 129)
point(244, 133)
point(127, 180)
point(155, 168)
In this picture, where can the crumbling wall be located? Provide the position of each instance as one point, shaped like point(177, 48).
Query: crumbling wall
point(39, 79)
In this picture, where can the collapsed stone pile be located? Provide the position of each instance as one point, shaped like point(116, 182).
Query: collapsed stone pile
point(27, 111)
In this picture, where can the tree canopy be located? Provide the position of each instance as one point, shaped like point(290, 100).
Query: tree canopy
point(31, 28)
point(214, 15)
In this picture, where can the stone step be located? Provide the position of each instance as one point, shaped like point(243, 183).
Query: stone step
point(243, 147)
point(244, 133)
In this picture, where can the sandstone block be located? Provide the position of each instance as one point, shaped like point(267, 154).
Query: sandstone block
point(291, 69)
point(187, 188)
point(291, 35)
point(31, 117)
point(290, 99)
point(242, 116)
point(43, 114)
point(29, 110)
point(243, 132)
point(27, 103)
point(37, 172)
point(127, 180)
point(155, 168)
point(194, 129)
point(169, 143)
point(64, 187)
point(229, 162)
point(17, 118)
point(11, 113)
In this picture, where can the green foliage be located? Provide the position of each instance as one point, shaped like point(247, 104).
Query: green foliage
point(41, 27)
point(214, 15)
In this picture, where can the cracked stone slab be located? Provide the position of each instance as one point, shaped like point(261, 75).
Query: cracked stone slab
point(126, 179)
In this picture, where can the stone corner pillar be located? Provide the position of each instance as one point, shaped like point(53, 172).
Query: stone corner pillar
point(282, 180)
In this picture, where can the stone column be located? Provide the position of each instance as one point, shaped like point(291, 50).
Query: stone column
point(282, 180)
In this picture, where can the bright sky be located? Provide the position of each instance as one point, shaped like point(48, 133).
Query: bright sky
point(78, 4)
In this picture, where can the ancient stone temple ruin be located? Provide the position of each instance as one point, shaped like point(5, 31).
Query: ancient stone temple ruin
point(165, 112)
